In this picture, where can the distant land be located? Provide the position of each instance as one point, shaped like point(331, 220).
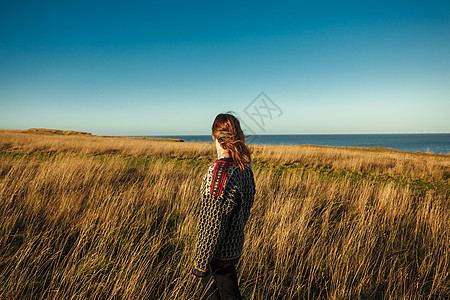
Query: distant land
point(438, 143)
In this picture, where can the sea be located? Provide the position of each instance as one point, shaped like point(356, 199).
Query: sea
point(438, 143)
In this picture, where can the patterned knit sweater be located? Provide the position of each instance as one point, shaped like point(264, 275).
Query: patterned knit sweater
point(227, 197)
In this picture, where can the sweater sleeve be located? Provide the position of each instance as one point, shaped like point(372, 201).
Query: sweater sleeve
point(217, 201)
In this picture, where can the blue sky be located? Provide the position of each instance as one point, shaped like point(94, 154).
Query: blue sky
point(149, 68)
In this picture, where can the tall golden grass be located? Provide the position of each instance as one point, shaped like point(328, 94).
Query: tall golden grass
point(90, 217)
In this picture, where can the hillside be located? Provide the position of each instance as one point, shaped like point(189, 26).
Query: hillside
point(87, 216)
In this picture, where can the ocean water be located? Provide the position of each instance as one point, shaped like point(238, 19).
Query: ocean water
point(438, 143)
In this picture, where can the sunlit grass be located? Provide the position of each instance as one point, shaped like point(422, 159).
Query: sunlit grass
point(112, 217)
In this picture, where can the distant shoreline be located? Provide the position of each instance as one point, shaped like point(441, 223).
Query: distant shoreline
point(438, 143)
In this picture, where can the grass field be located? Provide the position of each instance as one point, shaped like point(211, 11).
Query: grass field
point(90, 217)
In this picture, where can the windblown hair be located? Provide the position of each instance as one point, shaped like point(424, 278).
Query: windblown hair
point(227, 130)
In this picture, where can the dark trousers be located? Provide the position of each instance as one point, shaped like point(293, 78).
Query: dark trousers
point(221, 283)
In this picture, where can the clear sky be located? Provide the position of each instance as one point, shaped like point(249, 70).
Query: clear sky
point(168, 67)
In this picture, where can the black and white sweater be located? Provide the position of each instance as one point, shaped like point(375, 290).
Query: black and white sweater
point(227, 197)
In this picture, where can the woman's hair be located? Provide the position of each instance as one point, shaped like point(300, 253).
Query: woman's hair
point(227, 131)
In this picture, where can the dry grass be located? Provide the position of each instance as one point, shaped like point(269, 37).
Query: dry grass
point(88, 217)
point(374, 161)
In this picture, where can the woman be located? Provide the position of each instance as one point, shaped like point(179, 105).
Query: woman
point(228, 190)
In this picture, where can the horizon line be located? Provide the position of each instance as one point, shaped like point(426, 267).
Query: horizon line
point(256, 134)
point(327, 133)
